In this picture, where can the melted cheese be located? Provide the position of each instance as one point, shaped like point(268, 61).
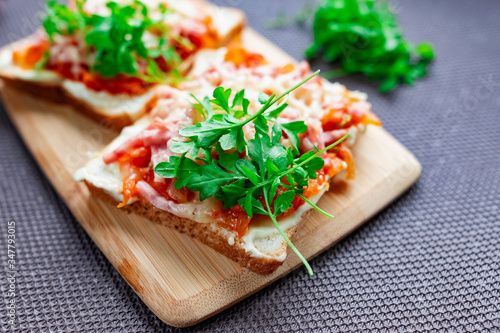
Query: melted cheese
point(107, 104)
point(264, 240)
point(107, 177)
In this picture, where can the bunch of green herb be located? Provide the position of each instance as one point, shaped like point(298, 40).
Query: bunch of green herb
point(115, 43)
point(364, 36)
point(253, 181)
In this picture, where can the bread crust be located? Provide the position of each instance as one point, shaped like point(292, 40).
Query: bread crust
point(235, 32)
point(204, 232)
point(55, 93)
point(48, 91)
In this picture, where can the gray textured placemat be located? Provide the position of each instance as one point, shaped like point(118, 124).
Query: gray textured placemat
point(428, 262)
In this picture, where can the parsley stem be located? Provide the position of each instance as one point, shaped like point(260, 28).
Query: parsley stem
point(314, 206)
point(282, 233)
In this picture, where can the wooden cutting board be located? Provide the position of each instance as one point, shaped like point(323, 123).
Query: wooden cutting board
point(181, 280)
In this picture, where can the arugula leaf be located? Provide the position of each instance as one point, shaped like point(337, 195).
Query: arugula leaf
point(60, 20)
point(251, 175)
point(209, 179)
point(204, 107)
point(263, 98)
point(261, 126)
point(182, 147)
point(277, 132)
point(230, 194)
point(292, 129)
point(283, 202)
point(276, 112)
point(177, 167)
point(206, 134)
point(229, 140)
point(260, 149)
point(228, 161)
point(239, 98)
point(221, 98)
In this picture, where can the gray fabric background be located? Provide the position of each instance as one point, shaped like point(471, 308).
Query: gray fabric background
point(428, 262)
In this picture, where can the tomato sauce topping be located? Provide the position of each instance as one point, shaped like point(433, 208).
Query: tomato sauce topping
point(120, 84)
point(338, 118)
point(240, 57)
point(29, 57)
point(234, 219)
point(135, 167)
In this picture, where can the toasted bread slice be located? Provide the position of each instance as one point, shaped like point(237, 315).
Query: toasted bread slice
point(117, 111)
point(261, 249)
point(269, 252)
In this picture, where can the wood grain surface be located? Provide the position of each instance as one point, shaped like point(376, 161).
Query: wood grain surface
point(181, 280)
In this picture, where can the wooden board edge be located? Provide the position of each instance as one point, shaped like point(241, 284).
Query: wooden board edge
point(285, 269)
point(412, 174)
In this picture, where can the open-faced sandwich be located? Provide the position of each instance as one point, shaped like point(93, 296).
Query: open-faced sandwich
point(235, 158)
point(108, 58)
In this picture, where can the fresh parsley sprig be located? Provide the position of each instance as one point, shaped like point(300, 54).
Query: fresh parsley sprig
point(364, 36)
point(115, 44)
point(270, 176)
